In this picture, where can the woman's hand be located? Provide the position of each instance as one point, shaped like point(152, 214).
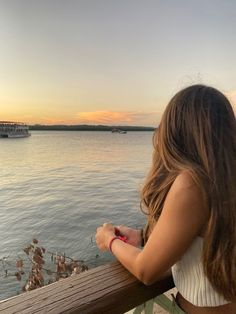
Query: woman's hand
point(104, 235)
point(134, 236)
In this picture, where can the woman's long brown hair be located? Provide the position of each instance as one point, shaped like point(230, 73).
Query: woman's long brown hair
point(197, 134)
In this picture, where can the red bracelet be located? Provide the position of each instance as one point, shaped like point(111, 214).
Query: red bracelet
point(124, 239)
point(120, 235)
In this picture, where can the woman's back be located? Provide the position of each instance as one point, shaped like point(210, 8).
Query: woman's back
point(195, 292)
point(190, 193)
point(190, 280)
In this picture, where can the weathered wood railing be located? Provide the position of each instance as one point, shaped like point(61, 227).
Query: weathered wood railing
point(104, 289)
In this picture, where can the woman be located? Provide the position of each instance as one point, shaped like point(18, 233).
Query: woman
point(190, 199)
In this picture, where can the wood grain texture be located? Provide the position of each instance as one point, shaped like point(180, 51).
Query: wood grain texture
point(108, 289)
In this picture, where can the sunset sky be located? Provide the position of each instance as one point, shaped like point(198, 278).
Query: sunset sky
point(110, 61)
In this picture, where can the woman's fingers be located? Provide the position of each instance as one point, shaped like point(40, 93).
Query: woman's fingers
point(103, 234)
point(107, 224)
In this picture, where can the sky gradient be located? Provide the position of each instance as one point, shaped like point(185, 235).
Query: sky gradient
point(110, 61)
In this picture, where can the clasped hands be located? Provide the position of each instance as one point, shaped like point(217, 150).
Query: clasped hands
point(107, 232)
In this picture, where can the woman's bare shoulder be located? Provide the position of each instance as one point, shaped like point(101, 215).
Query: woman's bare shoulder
point(186, 193)
point(184, 180)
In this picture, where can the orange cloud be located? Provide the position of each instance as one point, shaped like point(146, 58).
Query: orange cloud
point(115, 117)
point(94, 117)
point(104, 117)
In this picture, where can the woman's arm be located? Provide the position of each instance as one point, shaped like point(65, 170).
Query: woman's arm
point(183, 216)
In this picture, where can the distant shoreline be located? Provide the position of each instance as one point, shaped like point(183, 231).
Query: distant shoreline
point(40, 127)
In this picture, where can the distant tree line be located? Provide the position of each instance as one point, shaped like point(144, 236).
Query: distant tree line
point(85, 127)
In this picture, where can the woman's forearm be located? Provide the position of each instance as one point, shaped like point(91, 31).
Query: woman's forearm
point(131, 258)
point(138, 262)
point(128, 255)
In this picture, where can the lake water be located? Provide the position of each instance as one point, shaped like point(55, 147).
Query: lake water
point(60, 186)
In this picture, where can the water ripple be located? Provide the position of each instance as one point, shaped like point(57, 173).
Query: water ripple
point(59, 186)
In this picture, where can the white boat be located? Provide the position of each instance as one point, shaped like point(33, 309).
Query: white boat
point(13, 129)
point(118, 131)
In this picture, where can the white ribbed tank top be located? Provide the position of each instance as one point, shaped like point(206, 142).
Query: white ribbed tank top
point(190, 280)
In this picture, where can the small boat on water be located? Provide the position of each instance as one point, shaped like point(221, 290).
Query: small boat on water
point(118, 131)
point(13, 129)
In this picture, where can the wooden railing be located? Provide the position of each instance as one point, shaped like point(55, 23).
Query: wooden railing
point(104, 289)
